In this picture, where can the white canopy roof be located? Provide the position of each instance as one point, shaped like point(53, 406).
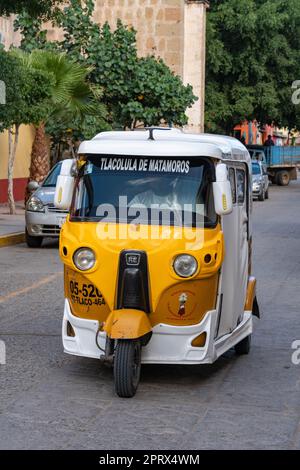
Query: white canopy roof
point(166, 143)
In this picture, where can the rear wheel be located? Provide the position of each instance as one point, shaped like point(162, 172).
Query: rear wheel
point(33, 242)
point(283, 178)
point(261, 197)
point(127, 367)
point(243, 347)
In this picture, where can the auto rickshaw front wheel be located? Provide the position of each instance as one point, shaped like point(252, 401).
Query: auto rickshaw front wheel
point(127, 367)
point(244, 346)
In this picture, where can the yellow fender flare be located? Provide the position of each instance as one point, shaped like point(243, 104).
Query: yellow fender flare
point(127, 324)
point(251, 293)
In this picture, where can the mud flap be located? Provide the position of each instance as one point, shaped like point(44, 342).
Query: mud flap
point(255, 310)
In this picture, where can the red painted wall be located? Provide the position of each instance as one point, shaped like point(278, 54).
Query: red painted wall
point(19, 189)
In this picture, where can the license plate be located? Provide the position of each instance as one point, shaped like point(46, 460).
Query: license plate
point(60, 221)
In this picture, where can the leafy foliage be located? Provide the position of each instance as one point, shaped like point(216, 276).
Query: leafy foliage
point(253, 56)
point(74, 104)
point(34, 8)
point(71, 94)
point(135, 90)
point(26, 92)
point(76, 129)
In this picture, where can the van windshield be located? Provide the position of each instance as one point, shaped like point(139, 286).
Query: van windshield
point(256, 169)
point(160, 191)
point(50, 181)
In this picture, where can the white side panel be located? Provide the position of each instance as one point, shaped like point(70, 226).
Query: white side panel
point(235, 268)
point(230, 270)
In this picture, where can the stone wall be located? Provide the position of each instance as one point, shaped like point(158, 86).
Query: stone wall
point(159, 25)
point(7, 34)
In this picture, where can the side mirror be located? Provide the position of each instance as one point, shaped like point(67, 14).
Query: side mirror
point(33, 186)
point(222, 191)
point(65, 185)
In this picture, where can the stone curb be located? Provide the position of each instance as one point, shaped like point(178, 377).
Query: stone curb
point(12, 239)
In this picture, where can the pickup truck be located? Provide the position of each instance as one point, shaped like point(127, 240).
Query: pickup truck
point(282, 162)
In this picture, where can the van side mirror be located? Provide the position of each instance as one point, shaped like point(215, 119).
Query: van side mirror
point(65, 185)
point(222, 191)
point(33, 186)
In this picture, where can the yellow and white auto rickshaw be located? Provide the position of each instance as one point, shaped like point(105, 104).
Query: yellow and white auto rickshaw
point(156, 250)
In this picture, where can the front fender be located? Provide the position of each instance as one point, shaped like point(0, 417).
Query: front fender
point(127, 324)
point(251, 300)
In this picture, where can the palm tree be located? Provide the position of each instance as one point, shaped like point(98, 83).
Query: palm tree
point(72, 97)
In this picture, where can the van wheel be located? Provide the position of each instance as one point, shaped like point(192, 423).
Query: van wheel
point(33, 242)
point(243, 347)
point(283, 178)
point(127, 367)
point(261, 197)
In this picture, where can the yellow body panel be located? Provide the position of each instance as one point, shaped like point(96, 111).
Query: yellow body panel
point(86, 301)
point(127, 324)
point(201, 297)
point(206, 245)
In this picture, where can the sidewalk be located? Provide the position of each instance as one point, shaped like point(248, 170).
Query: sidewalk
point(12, 227)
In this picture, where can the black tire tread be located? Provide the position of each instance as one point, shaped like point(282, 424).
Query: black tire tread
point(123, 374)
point(280, 180)
point(261, 197)
point(33, 242)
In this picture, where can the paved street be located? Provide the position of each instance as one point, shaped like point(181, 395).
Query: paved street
point(51, 400)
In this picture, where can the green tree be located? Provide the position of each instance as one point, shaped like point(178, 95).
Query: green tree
point(155, 95)
point(35, 8)
point(65, 135)
point(72, 99)
point(135, 90)
point(25, 94)
point(253, 56)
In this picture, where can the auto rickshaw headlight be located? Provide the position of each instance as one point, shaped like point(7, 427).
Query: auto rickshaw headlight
point(84, 259)
point(185, 265)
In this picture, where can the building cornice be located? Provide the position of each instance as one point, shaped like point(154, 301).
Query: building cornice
point(203, 2)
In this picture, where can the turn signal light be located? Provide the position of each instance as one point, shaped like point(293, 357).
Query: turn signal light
point(199, 341)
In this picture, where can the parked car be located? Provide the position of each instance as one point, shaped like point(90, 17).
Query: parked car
point(42, 218)
point(260, 181)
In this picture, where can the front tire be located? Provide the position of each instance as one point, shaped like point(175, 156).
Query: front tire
point(127, 367)
point(33, 242)
point(267, 194)
point(261, 197)
point(243, 347)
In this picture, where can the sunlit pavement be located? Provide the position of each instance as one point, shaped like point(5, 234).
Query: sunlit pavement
point(51, 400)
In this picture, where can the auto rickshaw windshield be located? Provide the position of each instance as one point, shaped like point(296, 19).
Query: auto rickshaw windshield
point(118, 189)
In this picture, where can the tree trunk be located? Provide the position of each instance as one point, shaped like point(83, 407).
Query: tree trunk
point(40, 157)
point(12, 150)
